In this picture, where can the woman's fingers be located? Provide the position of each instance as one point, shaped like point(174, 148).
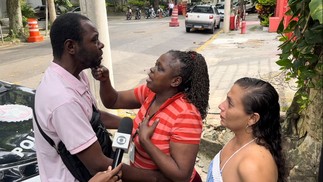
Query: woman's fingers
point(110, 175)
point(117, 172)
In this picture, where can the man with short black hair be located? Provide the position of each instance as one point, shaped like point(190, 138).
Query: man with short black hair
point(64, 104)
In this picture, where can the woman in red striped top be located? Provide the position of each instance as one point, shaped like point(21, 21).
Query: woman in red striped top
point(174, 101)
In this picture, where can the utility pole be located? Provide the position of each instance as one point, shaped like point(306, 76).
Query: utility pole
point(227, 12)
point(97, 13)
point(241, 9)
point(46, 17)
point(52, 11)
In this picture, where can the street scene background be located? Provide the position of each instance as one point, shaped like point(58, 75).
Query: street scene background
point(135, 46)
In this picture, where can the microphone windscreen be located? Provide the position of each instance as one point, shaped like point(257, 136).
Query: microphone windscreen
point(125, 125)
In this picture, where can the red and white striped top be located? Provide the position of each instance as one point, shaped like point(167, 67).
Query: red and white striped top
point(179, 121)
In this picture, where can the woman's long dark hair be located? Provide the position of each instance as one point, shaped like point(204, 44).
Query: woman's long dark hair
point(262, 98)
point(195, 79)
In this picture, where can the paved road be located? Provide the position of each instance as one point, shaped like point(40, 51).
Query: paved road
point(135, 46)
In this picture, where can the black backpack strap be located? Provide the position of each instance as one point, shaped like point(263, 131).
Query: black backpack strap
point(72, 162)
point(49, 140)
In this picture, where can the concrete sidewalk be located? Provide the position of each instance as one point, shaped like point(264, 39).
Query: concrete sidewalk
point(233, 55)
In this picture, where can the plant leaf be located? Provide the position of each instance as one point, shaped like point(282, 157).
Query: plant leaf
point(285, 63)
point(280, 28)
point(316, 7)
point(314, 36)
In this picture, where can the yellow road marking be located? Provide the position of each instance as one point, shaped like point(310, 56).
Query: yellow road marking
point(202, 47)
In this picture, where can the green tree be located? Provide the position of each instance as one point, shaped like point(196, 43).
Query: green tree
point(302, 60)
point(15, 18)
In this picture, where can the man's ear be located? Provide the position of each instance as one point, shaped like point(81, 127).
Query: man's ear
point(254, 118)
point(69, 46)
point(176, 81)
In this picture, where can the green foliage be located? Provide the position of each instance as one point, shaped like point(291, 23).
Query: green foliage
point(27, 12)
point(265, 20)
point(108, 4)
point(267, 2)
point(265, 9)
point(63, 6)
point(316, 7)
point(136, 3)
point(302, 50)
point(66, 3)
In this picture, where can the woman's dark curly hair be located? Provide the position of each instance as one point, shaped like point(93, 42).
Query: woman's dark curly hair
point(262, 98)
point(195, 79)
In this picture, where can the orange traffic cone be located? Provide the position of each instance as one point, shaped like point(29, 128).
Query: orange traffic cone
point(174, 20)
point(34, 35)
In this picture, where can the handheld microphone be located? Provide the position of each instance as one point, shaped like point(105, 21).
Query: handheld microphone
point(121, 140)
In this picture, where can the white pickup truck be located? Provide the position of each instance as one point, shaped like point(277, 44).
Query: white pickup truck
point(202, 17)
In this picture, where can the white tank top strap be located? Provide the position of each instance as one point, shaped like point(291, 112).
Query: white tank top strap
point(236, 153)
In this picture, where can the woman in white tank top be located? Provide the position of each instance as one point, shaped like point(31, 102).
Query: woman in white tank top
point(251, 111)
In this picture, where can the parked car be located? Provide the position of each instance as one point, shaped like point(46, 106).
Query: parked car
point(189, 7)
point(205, 17)
point(17, 151)
point(40, 12)
point(249, 6)
point(220, 8)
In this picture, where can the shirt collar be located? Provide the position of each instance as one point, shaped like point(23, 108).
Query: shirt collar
point(151, 97)
point(71, 81)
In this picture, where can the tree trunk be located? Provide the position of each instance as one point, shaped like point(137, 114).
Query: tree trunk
point(156, 4)
point(303, 134)
point(51, 11)
point(15, 18)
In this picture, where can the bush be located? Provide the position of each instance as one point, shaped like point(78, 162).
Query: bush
point(267, 2)
point(136, 3)
point(265, 21)
point(27, 12)
point(265, 9)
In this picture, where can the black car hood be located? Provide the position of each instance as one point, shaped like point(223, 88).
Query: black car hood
point(17, 150)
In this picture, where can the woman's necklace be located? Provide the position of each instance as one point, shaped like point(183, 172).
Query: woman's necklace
point(236, 153)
